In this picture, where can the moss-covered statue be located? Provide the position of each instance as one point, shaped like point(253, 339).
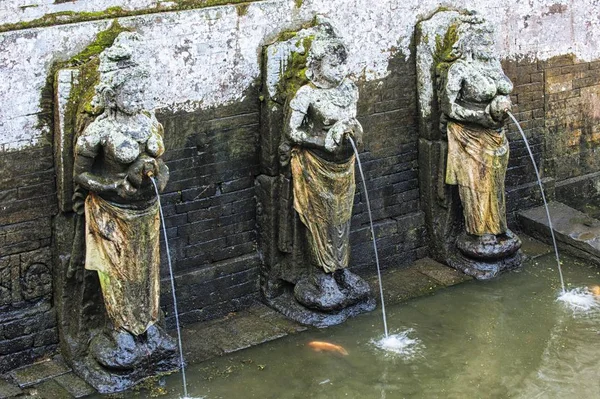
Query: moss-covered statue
point(114, 158)
point(316, 185)
point(321, 119)
point(474, 97)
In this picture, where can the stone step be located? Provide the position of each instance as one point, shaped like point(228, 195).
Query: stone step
point(575, 232)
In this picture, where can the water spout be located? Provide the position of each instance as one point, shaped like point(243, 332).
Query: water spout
point(164, 229)
point(537, 173)
point(385, 328)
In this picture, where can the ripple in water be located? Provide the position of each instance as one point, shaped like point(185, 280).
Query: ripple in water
point(580, 300)
point(400, 344)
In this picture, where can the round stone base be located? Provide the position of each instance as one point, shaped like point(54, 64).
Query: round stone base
point(488, 247)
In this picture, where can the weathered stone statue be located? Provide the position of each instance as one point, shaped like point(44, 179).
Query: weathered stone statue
point(321, 119)
point(316, 163)
point(114, 157)
point(473, 95)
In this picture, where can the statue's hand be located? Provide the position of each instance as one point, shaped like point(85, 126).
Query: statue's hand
point(355, 131)
point(499, 107)
point(334, 136)
point(143, 167)
point(125, 189)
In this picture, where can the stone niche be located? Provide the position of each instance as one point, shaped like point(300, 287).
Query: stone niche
point(282, 236)
point(440, 201)
point(78, 299)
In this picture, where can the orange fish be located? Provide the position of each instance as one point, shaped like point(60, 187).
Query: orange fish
point(595, 290)
point(319, 346)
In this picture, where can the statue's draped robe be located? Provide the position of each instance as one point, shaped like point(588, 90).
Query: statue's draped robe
point(323, 198)
point(122, 245)
point(477, 161)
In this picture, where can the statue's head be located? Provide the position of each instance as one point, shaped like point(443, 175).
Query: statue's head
point(122, 80)
point(327, 59)
point(476, 38)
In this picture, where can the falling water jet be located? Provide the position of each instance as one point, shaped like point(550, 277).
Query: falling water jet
point(164, 229)
point(385, 328)
point(399, 343)
point(578, 299)
point(537, 173)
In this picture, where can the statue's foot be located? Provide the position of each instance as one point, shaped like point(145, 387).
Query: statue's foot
point(320, 292)
point(158, 339)
point(116, 350)
point(353, 286)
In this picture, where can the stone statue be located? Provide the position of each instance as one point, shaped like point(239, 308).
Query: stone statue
point(306, 194)
point(115, 156)
point(463, 98)
point(321, 119)
point(474, 96)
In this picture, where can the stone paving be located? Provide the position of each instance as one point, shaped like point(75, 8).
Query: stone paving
point(52, 378)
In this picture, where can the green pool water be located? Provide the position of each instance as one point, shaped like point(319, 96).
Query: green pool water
point(508, 338)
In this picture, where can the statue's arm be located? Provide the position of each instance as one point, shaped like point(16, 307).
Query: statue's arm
point(162, 170)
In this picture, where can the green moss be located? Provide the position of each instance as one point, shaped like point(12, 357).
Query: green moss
point(69, 17)
point(80, 111)
point(444, 54)
point(299, 3)
point(294, 76)
point(103, 40)
point(242, 9)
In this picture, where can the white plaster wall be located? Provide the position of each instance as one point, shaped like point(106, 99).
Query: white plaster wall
point(208, 57)
point(12, 11)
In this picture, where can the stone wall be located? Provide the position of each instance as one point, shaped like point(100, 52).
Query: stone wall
point(206, 65)
point(28, 201)
point(556, 103)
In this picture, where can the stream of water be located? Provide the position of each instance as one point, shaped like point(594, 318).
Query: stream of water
point(362, 176)
point(539, 179)
point(175, 310)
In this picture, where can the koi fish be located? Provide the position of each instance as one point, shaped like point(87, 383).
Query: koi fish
point(319, 346)
point(595, 290)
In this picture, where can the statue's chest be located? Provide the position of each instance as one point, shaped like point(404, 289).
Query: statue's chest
point(330, 106)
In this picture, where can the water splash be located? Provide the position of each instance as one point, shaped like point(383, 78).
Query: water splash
point(400, 344)
point(164, 229)
point(580, 300)
point(385, 328)
point(539, 179)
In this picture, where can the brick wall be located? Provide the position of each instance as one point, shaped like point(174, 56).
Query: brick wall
point(387, 110)
point(28, 201)
point(556, 103)
point(210, 210)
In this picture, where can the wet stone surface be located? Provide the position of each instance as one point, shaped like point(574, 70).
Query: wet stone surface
point(8, 390)
point(74, 385)
point(575, 231)
point(38, 372)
